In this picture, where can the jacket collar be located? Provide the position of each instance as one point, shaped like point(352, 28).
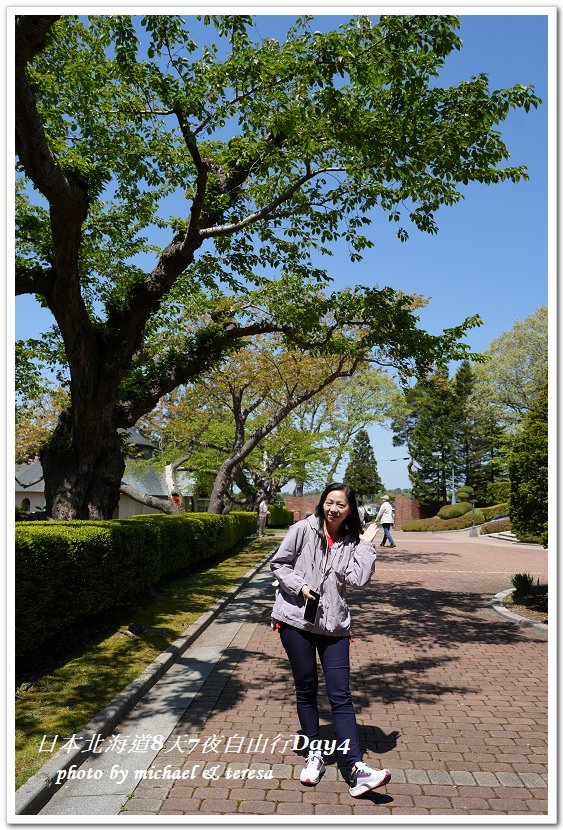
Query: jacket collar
point(314, 524)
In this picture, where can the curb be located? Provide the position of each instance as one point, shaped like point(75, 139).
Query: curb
point(497, 603)
point(32, 796)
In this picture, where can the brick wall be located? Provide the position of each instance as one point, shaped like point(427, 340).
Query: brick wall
point(405, 509)
point(301, 505)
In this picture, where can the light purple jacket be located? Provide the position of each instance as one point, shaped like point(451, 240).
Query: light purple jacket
point(303, 558)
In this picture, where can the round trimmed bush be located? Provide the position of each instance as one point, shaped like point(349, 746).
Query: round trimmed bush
point(452, 511)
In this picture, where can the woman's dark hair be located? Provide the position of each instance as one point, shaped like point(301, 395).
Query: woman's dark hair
point(352, 522)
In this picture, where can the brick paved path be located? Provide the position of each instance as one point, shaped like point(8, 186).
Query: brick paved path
point(449, 695)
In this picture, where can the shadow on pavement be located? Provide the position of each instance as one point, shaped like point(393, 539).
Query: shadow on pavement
point(254, 681)
point(386, 556)
point(413, 614)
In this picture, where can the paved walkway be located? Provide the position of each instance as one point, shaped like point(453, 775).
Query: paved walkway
point(449, 695)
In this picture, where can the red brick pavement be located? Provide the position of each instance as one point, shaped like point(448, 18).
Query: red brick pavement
point(445, 690)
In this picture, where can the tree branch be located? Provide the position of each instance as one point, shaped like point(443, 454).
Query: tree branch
point(159, 502)
point(31, 142)
point(67, 197)
point(284, 410)
point(30, 34)
point(238, 98)
point(202, 168)
point(209, 445)
point(33, 281)
point(240, 453)
point(225, 230)
point(128, 412)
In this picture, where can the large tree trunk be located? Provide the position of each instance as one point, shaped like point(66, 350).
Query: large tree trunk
point(82, 468)
point(221, 486)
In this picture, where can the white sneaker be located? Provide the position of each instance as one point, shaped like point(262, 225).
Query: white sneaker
point(363, 779)
point(313, 769)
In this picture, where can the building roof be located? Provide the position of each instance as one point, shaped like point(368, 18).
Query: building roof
point(137, 474)
point(146, 479)
point(135, 437)
point(30, 472)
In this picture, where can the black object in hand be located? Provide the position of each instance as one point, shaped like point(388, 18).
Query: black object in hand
point(311, 607)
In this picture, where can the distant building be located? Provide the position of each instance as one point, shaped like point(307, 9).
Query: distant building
point(137, 475)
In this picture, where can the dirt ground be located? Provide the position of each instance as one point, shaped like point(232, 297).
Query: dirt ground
point(533, 606)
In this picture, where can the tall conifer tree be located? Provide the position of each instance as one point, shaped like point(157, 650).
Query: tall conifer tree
point(361, 473)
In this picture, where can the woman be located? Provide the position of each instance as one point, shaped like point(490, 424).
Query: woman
point(323, 554)
point(385, 518)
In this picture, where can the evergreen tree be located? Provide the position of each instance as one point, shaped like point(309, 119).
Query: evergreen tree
point(427, 429)
point(479, 439)
point(528, 470)
point(361, 473)
point(449, 439)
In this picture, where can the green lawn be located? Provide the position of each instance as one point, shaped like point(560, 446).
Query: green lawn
point(61, 696)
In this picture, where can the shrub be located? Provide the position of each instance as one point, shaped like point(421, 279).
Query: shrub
point(437, 524)
point(522, 583)
point(496, 511)
point(496, 527)
point(465, 493)
point(452, 511)
point(528, 470)
point(191, 538)
point(279, 516)
point(498, 491)
point(66, 571)
point(529, 538)
point(21, 513)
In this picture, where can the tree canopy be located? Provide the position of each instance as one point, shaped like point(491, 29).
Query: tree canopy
point(513, 374)
point(528, 468)
point(280, 150)
point(243, 401)
point(451, 441)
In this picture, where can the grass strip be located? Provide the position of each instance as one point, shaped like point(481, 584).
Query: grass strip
point(60, 696)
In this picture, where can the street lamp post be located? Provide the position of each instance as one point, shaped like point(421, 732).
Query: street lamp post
point(473, 529)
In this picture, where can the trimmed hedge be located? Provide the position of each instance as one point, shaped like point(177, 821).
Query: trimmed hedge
point(279, 516)
point(498, 491)
point(496, 511)
point(66, 571)
point(194, 537)
point(496, 527)
point(452, 511)
point(437, 524)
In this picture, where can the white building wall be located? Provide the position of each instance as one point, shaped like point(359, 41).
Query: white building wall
point(129, 507)
point(126, 507)
point(36, 500)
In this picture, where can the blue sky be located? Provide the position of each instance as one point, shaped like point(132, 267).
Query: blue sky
point(491, 254)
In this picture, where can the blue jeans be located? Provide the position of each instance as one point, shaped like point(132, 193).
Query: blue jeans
point(334, 653)
point(386, 535)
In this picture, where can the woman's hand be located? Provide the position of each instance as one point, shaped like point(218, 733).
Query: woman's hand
point(369, 533)
point(306, 591)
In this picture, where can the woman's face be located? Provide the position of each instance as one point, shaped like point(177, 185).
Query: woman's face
point(336, 508)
